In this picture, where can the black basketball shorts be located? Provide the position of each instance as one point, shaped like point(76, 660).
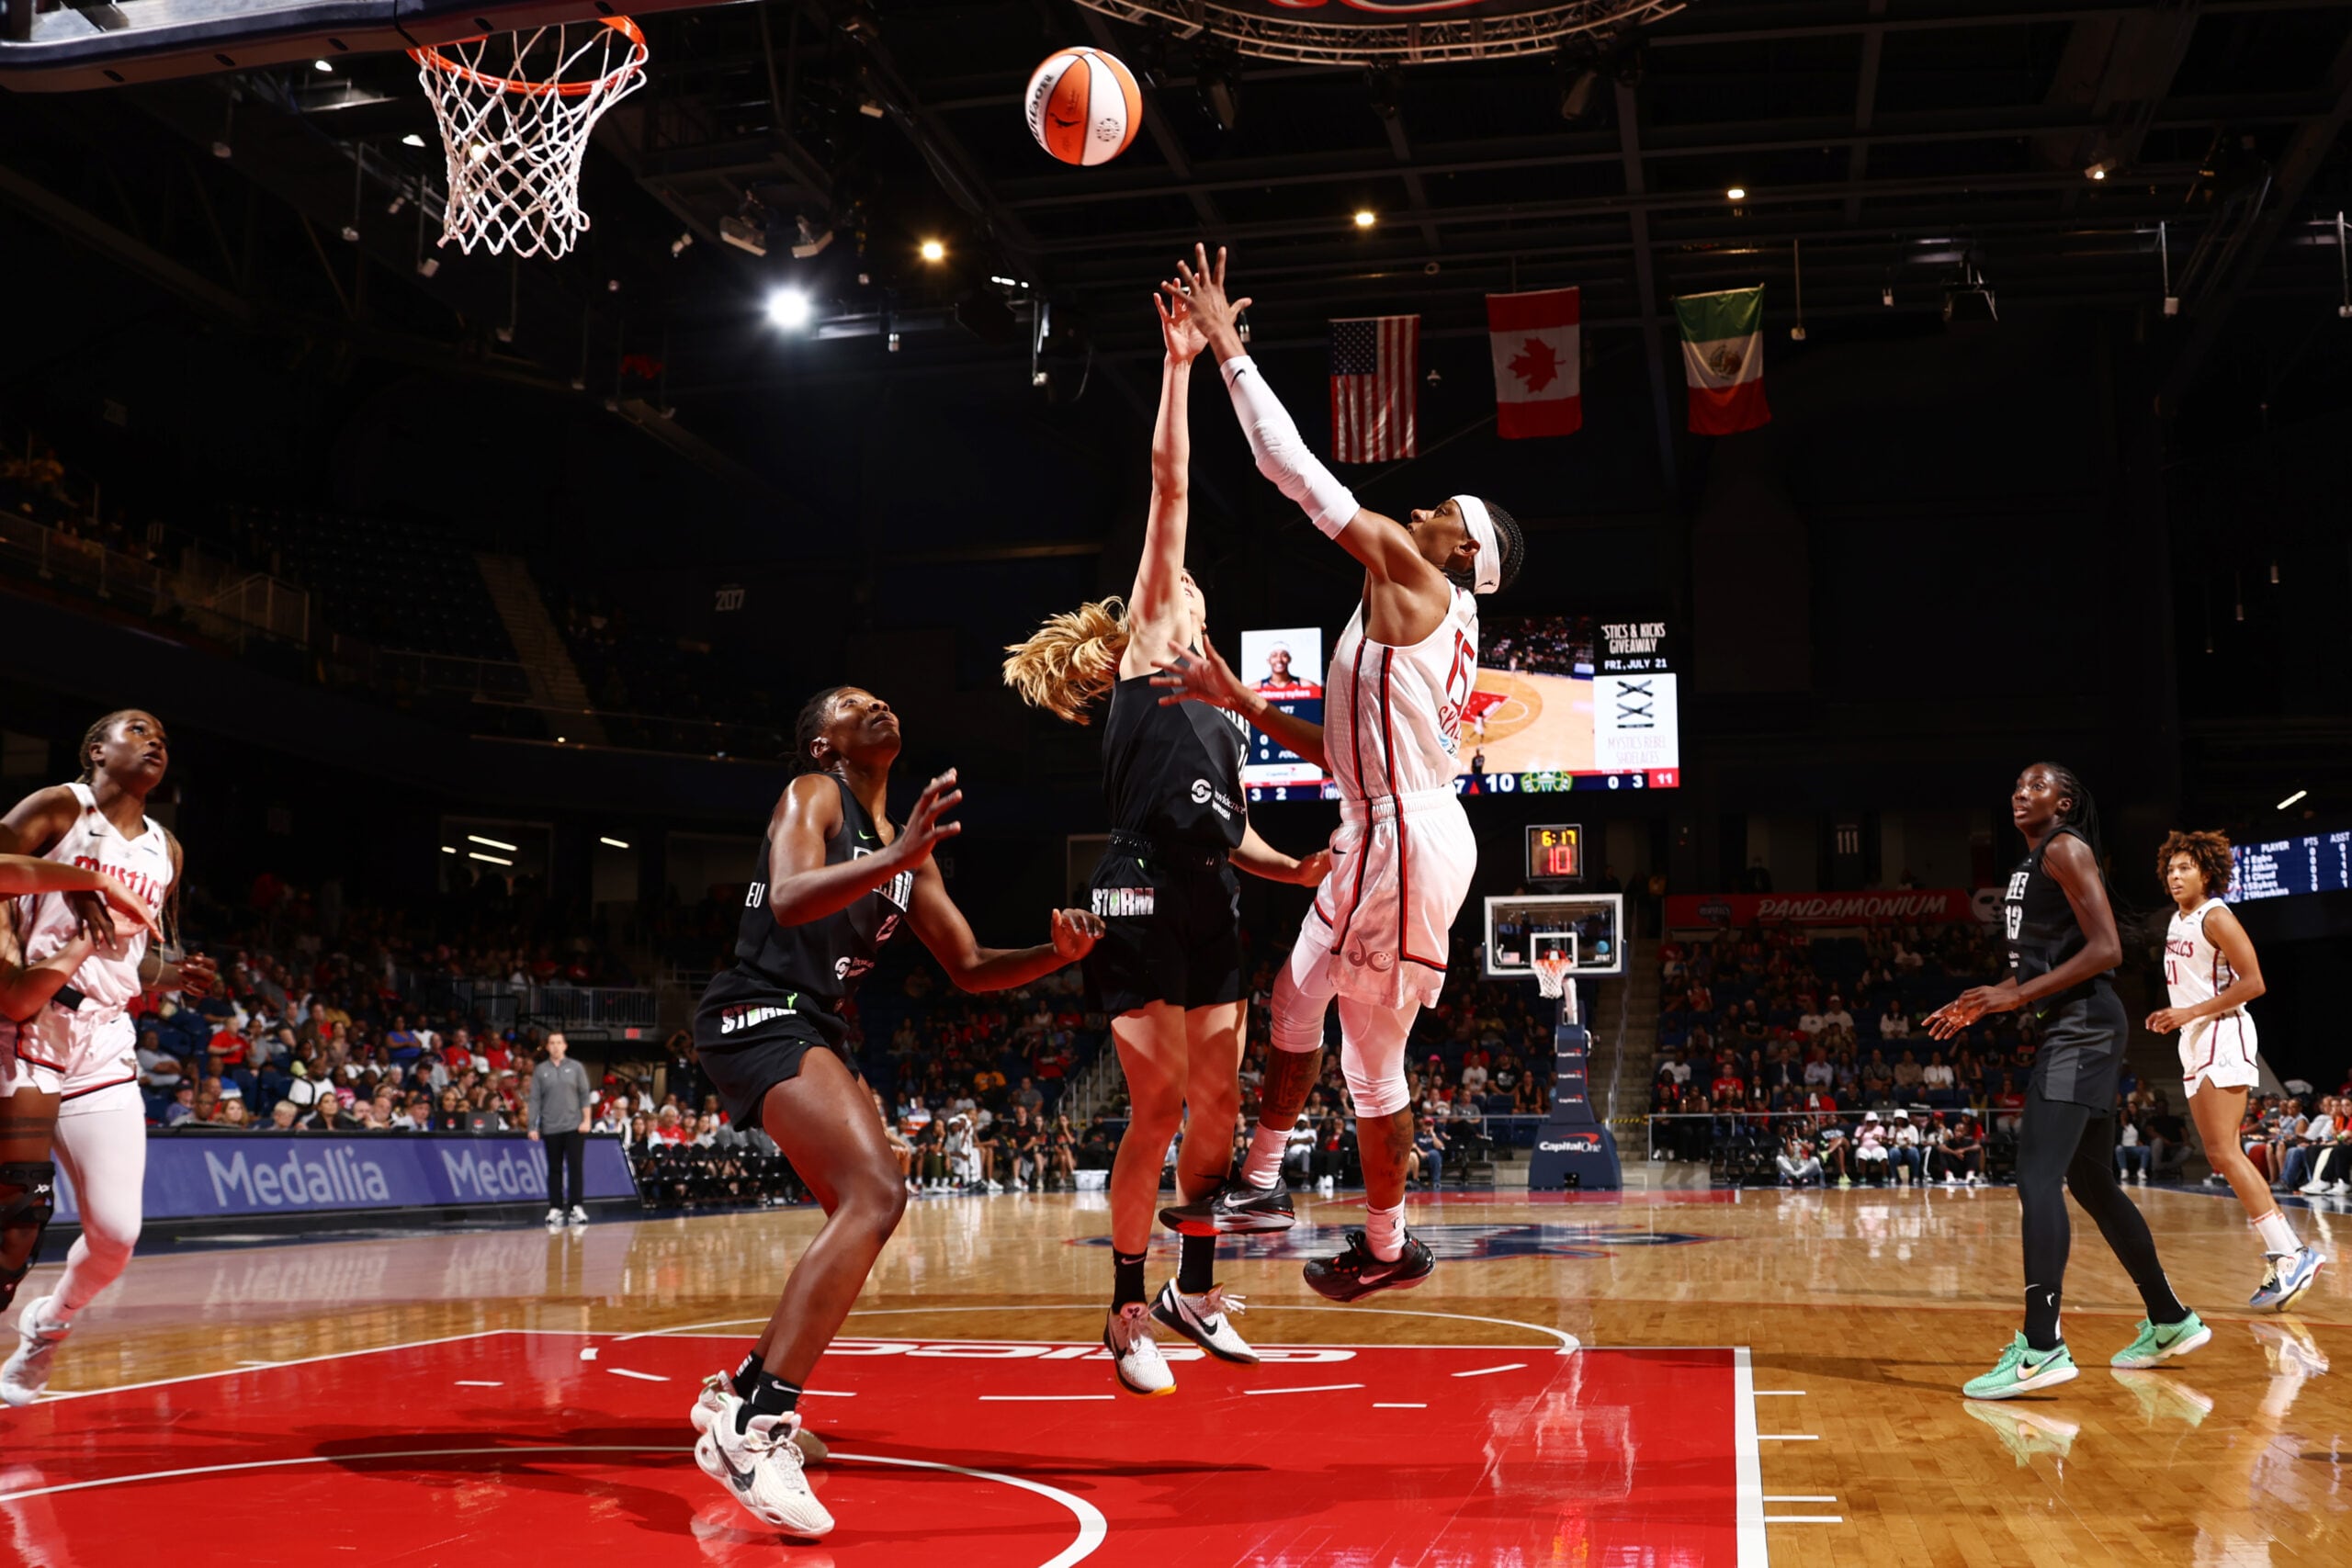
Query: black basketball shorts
point(748, 1044)
point(1172, 928)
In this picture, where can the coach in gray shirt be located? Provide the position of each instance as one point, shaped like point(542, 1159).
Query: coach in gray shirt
point(558, 1116)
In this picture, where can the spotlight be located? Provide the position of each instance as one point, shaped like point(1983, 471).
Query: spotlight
point(812, 240)
point(392, 208)
point(412, 140)
point(870, 108)
point(2100, 169)
point(932, 251)
point(894, 339)
point(1366, 218)
point(1886, 295)
point(678, 246)
point(745, 232)
point(322, 65)
point(1219, 74)
point(1737, 193)
point(351, 233)
point(788, 308)
point(1575, 97)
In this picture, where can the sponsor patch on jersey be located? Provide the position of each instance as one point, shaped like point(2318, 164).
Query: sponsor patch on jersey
point(749, 1015)
point(1123, 903)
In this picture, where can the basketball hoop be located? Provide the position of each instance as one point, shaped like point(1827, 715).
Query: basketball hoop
point(1551, 971)
point(516, 110)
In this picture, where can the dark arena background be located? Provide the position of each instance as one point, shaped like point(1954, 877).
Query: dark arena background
point(1892, 395)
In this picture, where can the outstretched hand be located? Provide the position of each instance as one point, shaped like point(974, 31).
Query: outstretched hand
point(1203, 677)
point(1180, 329)
point(1202, 286)
point(925, 829)
point(1075, 933)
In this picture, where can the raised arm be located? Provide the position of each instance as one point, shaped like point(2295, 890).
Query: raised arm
point(1281, 454)
point(1156, 603)
point(802, 887)
point(943, 928)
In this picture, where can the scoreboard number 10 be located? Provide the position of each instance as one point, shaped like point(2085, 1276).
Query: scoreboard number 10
point(1554, 852)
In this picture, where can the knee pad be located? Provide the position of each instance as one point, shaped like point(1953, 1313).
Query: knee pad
point(28, 1200)
point(1298, 1018)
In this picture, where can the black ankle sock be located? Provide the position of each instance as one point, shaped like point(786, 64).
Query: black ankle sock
point(770, 1395)
point(747, 1376)
point(2041, 1318)
point(1127, 1279)
point(1196, 1265)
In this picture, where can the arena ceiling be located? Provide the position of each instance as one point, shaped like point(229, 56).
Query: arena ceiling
point(1888, 152)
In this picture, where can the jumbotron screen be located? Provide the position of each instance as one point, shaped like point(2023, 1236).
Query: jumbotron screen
point(1562, 703)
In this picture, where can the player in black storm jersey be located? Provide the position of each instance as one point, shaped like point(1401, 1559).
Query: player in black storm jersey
point(1169, 967)
point(2062, 947)
point(833, 881)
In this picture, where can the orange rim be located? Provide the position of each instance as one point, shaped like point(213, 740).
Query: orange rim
point(622, 25)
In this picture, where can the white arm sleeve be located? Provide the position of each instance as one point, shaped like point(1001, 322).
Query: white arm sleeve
point(1281, 452)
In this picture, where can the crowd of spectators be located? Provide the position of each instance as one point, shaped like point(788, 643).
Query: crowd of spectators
point(2300, 1142)
point(1542, 644)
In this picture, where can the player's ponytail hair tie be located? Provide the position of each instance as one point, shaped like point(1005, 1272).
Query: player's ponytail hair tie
point(1490, 567)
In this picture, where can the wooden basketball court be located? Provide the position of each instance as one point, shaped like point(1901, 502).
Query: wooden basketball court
point(1755, 1377)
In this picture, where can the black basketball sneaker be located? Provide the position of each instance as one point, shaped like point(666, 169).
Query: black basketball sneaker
point(1236, 1208)
point(1356, 1273)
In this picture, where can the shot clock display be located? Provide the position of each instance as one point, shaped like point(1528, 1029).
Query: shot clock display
point(1554, 852)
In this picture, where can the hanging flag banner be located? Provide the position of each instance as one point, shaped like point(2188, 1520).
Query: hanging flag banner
point(1723, 358)
point(1536, 343)
point(1375, 375)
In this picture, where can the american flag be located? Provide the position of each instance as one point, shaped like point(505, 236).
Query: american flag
point(1376, 363)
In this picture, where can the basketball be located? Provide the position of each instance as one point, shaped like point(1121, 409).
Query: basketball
point(1083, 106)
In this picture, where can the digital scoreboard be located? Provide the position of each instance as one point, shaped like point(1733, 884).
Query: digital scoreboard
point(2281, 868)
point(1554, 852)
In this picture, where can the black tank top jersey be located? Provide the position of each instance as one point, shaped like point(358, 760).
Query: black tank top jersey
point(823, 958)
point(2041, 928)
point(1172, 774)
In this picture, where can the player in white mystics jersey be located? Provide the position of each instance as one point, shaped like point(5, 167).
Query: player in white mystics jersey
point(68, 1070)
point(2211, 974)
point(1403, 857)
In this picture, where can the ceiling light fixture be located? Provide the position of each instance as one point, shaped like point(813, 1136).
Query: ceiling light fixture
point(1737, 193)
point(608, 838)
point(493, 860)
point(788, 308)
point(1366, 218)
point(932, 251)
point(412, 140)
point(2292, 798)
point(492, 843)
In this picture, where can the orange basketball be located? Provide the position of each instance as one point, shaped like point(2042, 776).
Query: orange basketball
point(1083, 106)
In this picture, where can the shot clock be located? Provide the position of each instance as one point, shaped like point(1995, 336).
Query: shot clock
point(1554, 852)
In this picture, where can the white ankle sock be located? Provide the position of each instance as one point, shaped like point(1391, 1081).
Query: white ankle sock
point(1383, 1231)
point(2277, 1236)
point(1264, 1167)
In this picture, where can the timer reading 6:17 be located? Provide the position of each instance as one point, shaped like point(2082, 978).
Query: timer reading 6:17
point(1554, 852)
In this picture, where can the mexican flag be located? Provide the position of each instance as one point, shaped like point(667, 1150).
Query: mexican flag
point(1723, 358)
point(1536, 342)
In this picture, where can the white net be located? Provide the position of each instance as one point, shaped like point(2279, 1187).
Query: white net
point(1551, 970)
point(516, 110)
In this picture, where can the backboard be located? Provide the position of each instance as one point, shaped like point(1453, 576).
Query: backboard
point(52, 46)
point(1588, 927)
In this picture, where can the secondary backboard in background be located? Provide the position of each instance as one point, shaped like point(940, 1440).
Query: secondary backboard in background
point(1589, 926)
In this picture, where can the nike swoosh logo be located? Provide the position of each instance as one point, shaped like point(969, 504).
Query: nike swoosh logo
point(863, 834)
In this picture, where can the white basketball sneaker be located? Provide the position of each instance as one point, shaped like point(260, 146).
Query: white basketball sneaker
point(718, 1400)
point(555, 1219)
point(1135, 1354)
point(762, 1469)
point(26, 1372)
point(579, 1217)
point(1206, 1321)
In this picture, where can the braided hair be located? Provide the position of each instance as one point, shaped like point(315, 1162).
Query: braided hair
point(1513, 540)
point(2081, 812)
point(96, 736)
point(809, 728)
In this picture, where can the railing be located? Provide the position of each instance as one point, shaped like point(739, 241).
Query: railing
point(444, 674)
point(219, 600)
point(503, 1004)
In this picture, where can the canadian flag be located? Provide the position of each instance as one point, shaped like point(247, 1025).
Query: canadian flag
point(1536, 344)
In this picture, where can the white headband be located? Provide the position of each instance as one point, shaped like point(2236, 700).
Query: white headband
point(1489, 575)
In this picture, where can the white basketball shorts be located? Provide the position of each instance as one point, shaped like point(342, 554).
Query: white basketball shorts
point(2219, 1051)
point(1378, 929)
point(68, 1054)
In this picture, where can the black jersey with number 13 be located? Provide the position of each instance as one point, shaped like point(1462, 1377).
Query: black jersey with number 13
point(821, 959)
point(2039, 922)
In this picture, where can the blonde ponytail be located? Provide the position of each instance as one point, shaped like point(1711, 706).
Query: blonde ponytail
point(1070, 660)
